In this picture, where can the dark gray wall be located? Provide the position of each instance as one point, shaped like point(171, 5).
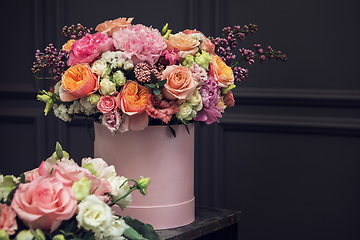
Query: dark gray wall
point(287, 155)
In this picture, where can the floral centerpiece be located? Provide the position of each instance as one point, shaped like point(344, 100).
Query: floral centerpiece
point(129, 76)
point(61, 200)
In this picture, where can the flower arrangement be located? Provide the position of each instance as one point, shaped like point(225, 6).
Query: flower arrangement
point(60, 200)
point(130, 76)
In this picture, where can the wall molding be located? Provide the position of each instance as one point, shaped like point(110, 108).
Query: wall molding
point(292, 124)
point(298, 97)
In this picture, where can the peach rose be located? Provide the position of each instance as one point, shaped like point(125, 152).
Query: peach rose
point(221, 72)
point(206, 43)
point(109, 27)
point(44, 203)
point(133, 98)
point(180, 83)
point(78, 81)
point(184, 43)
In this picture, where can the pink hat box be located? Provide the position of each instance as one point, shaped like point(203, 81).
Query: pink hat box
point(169, 163)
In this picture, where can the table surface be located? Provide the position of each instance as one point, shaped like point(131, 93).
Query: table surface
point(207, 220)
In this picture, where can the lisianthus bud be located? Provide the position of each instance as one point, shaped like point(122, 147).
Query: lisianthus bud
point(119, 78)
point(81, 188)
point(143, 184)
point(164, 29)
point(39, 235)
point(58, 237)
point(93, 99)
point(107, 87)
point(203, 59)
point(24, 235)
point(3, 235)
point(7, 185)
point(91, 168)
point(186, 112)
point(188, 61)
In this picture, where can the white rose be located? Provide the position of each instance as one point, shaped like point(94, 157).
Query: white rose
point(107, 87)
point(125, 202)
point(100, 68)
point(185, 111)
point(94, 214)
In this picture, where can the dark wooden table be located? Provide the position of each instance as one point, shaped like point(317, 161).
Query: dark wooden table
point(210, 223)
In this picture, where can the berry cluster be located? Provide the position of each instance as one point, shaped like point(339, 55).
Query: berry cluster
point(53, 59)
point(226, 45)
point(75, 32)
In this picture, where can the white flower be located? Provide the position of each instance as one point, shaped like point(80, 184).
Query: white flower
point(101, 68)
point(198, 36)
point(94, 214)
point(186, 112)
point(116, 230)
point(125, 202)
point(60, 111)
point(107, 87)
point(196, 101)
point(128, 65)
point(88, 107)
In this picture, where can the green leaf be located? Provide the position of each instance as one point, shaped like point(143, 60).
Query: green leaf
point(148, 232)
point(153, 78)
point(156, 91)
point(150, 85)
point(134, 223)
point(187, 128)
point(22, 178)
point(88, 235)
point(133, 234)
point(172, 131)
point(162, 83)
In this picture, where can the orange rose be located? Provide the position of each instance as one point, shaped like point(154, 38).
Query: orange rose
point(221, 72)
point(133, 98)
point(180, 83)
point(109, 27)
point(79, 81)
point(184, 43)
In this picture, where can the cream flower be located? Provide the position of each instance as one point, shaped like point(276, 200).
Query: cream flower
point(94, 214)
point(107, 87)
point(125, 202)
point(101, 68)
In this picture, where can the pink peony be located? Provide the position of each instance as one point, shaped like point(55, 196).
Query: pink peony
point(7, 219)
point(139, 43)
point(44, 203)
point(86, 49)
point(198, 73)
point(162, 110)
point(106, 103)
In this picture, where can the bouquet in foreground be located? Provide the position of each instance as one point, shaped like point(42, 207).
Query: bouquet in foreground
point(60, 200)
point(130, 76)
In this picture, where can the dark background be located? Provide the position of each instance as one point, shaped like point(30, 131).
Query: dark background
point(287, 155)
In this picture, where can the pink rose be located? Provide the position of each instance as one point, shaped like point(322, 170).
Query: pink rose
point(69, 173)
point(180, 83)
point(44, 203)
point(31, 175)
point(106, 103)
point(169, 57)
point(86, 49)
point(7, 219)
